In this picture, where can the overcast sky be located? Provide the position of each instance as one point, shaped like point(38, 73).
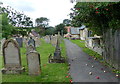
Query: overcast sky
point(55, 10)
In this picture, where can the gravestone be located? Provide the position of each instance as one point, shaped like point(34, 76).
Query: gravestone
point(12, 58)
point(47, 39)
point(25, 41)
point(37, 42)
point(30, 48)
point(31, 41)
point(2, 42)
point(33, 60)
point(54, 40)
point(57, 58)
point(20, 41)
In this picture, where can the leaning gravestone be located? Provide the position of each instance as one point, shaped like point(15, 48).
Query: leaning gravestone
point(12, 58)
point(33, 60)
point(20, 41)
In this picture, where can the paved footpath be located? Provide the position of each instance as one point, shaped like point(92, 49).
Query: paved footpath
point(80, 71)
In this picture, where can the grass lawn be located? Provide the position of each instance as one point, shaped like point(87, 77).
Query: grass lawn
point(54, 72)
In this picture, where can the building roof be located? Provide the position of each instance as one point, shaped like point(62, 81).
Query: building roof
point(82, 27)
point(34, 33)
point(74, 30)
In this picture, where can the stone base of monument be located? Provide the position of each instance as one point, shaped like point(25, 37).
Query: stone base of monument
point(13, 70)
point(51, 59)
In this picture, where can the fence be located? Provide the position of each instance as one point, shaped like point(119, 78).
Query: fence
point(111, 51)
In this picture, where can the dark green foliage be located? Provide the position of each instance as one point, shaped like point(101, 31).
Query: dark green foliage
point(14, 22)
point(67, 22)
point(42, 22)
point(42, 26)
point(98, 16)
point(60, 28)
point(6, 27)
point(50, 31)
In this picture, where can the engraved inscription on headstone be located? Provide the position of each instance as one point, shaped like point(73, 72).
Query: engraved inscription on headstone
point(33, 59)
point(12, 59)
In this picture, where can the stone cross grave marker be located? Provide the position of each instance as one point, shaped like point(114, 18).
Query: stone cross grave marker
point(12, 58)
point(57, 58)
point(33, 60)
point(57, 53)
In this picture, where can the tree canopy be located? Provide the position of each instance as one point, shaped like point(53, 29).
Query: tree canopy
point(60, 28)
point(6, 27)
point(67, 22)
point(14, 22)
point(98, 16)
point(42, 22)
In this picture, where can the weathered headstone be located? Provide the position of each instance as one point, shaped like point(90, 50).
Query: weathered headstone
point(25, 41)
point(47, 39)
point(31, 41)
point(33, 60)
point(12, 58)
point(20, 41)
point(37, 42)
point(30, 48)
point(54, 40)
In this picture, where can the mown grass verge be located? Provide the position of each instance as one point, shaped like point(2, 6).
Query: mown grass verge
point(90, 52)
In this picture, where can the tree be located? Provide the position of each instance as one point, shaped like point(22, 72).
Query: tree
point(60, 28)
point(50, 31)
point(41, 25)
point(97, 16)
point(67, 22)
point(42, 22)
point(16, 19)
point(6, 27)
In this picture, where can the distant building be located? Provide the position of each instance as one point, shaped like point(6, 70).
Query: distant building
point(34, 34)
point(77, 32)
point(74, 31)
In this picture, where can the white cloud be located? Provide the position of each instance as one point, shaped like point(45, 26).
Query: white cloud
point(55, 10)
